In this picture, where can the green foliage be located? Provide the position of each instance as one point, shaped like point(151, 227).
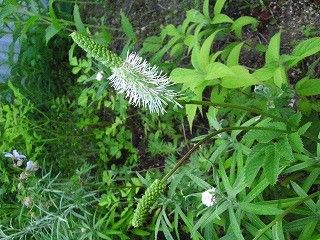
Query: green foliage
point(96, 153)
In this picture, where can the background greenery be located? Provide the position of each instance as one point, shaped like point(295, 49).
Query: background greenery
point(236, 64)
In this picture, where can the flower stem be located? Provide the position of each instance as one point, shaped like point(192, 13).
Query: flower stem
point(209, 136)
point(284, 213)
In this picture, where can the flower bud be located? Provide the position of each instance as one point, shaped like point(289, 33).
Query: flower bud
point(146, 202)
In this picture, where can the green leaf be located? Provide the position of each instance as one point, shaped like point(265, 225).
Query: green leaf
point(308, 87)
point(304, 49)
point(234, 55)
point(221, 18)
point(271, 164)
point(218, 70)
point(280, 77)
point(209, 215)
point(190, 78)
point(235, 224)
point(264, 74)
point(218, 7)
point(283, 147)
point(140, 232)
point(127, 27)
point(51, 31)
point(277, 231)
point(296, 142)
point(254, 162)
point(205, 10)
point(204, 56)
point(241, 22)
point(273, 51)
point(259, 209)
point(151, 44)
point(240, 78)
point(7, 10)
point(53, 16)
point(77, 19)
point(197, 17)
point(257, 190)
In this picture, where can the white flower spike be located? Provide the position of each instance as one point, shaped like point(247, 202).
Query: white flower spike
point(208, 197)
point(143, 84)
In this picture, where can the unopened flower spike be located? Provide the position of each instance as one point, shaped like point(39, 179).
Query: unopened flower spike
point(142, 84)
point(146, 202)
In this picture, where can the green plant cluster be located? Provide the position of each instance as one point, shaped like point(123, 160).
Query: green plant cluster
point(240, 160)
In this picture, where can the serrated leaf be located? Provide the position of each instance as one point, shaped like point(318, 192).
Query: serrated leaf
point(77, 19)
point(217, 70)
point(273, 51)
point(304, 49)
point(204, 56)
point(241, 78)
point(234, 55)
point(280, 77)
point(218, 6)
point(51, 31)
point(271, 164)
point(254, 162)
point(234, 224)
point(241, 22)
point(195, 16)
point(284, 149)
point(264, 74)
point(308, 87)
point(257, 190)
point(221, 18)
point(127, 27)
point(259, 209)
point(296, 142)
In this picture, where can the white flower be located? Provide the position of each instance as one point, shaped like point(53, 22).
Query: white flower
point(99, 75)
point(143, 84)
point(15, 155)
point(208, 197)
point(32, 166)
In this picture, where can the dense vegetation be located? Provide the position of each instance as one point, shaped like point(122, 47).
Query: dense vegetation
point(220, 141)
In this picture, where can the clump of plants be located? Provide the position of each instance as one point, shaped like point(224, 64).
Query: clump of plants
point(209, 149)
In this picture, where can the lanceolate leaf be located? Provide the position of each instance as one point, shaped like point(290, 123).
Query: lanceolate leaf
point(273, 51)
point(238, 24)
point(304, 49)
point(233, 58)
point(271, 164)
point(308, 87)
point(218, 6)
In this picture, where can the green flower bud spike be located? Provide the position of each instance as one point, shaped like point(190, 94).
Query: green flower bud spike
point(98, 51)
point(146, 202)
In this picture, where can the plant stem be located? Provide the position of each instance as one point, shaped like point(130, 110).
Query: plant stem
point(209, 136)
point(284, 213)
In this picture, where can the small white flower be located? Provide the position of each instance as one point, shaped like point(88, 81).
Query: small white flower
point(32, 166)
point(143, 84)
point(99, 75)
point(208, 197)
point(27, 201)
